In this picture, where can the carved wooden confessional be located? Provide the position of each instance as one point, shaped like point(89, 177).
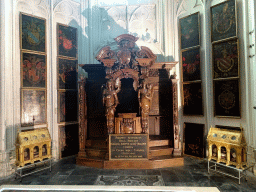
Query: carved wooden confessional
point(128, 93)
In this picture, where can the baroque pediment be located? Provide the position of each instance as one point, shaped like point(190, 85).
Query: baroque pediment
point(128, 61)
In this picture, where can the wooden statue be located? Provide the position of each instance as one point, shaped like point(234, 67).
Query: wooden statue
point(145, 95)
point(110, 101)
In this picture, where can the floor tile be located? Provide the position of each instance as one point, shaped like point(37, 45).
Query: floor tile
point(170, 178)
point(193, 173)
point(186, 178)
point(227, 187)
point(153, 172)
point(135, 172)
point(85, 171)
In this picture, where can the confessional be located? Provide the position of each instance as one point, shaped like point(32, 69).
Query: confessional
point(128, 94)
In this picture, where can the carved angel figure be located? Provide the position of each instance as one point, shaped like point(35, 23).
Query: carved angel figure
point(145, 95)
point(110, 101)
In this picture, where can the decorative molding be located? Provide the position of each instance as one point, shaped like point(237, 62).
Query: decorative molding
point(36, 7)
point(199, 3)
point(142, 22)
point(185, 5)
point(82, 118)
point(67, 10)
point(180, 10)
point(153, 73)
point(113, 23)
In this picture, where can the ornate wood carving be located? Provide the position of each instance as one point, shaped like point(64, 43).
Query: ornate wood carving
point(110, 101)
point(82, 117)
point(128, 63)
point(176, 131)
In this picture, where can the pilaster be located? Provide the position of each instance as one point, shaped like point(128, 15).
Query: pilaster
point(82, 118)
point(7, 123)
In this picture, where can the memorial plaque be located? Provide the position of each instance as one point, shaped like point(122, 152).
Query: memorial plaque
point(128, 146)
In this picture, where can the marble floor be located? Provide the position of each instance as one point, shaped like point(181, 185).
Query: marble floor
point(193, 173)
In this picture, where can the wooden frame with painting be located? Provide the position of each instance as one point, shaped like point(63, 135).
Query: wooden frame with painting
point(226, 59)
point(33, 107)
point(191, 64)
point(189, 31)
point(33, 70)
point(67, 73)
point(32, 33)
point(223, 21)
point(67, 41)
point(67, 106)
point(192, 99)
point(227, 98)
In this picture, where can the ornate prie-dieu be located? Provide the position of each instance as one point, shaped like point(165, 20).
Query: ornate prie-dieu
point(127, 62)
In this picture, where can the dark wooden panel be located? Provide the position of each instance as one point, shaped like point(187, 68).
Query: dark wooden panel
point(69, 143)
point(194, 139)
point(128, 98)
point(96, 127)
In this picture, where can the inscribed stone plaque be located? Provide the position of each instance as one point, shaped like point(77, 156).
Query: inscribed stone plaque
point(128, 146)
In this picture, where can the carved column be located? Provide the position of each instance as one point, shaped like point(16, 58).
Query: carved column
point(176, 130)
point(82, 118)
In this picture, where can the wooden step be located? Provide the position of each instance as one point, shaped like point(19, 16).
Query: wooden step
point(154, 143)
point(160, 151)
point(157, 137)
point(96, 143)
point(163, 157)
point(96, 152)
point(132, 164)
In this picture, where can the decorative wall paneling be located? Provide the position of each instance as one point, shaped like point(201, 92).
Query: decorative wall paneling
point(33, 70)
point(245, 14)
point(189, 32)
point(226, 68)
point(192, 54)
point(67, 68)
point(66, 28)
